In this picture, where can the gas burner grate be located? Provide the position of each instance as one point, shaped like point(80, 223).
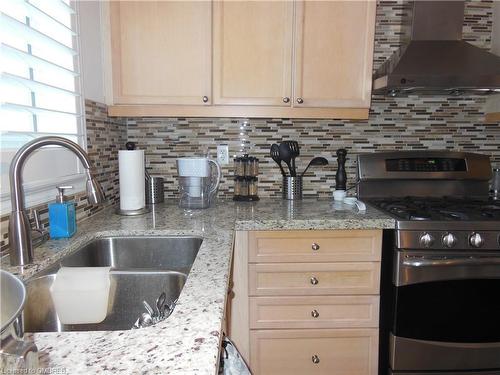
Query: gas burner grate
point(441, 209)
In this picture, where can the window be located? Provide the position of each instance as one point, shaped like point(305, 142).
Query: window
point(40, 93)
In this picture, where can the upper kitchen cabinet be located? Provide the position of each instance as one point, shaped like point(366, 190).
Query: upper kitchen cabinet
point(252, 52)
point(334, 53)
point(289, 59)
point(161, 52)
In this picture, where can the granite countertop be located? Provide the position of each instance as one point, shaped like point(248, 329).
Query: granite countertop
point(188, 341)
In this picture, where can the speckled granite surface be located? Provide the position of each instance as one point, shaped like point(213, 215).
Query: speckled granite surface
point(188, 341)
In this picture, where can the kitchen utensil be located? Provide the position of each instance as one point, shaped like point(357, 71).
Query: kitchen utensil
point(315, 161)
point(148, 308)
point(154, 190)
point(13, 294)
point(145, 320)
point(168, 308)
point(292, 187)
point(14, 352)
point(160, 305)
point(295, 150)
point(195, 192)
point(495, 183)
point(197, 183)
point(286, 156)
point(275, 155)
point(341, 175)
point(197, 167)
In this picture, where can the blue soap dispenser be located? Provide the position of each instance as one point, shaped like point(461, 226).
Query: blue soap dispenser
point(62, 216)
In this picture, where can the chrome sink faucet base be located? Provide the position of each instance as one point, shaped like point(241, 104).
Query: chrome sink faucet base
point(22, 238)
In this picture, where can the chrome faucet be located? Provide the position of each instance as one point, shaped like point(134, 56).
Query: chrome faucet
point(21, 239)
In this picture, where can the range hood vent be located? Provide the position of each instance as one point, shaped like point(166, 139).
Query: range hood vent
point(436, 60)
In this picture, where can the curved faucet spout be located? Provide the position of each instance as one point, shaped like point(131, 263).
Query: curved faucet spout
point(21, 247)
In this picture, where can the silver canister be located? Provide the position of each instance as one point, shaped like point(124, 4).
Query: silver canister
point(154, 190)
point(292, 187)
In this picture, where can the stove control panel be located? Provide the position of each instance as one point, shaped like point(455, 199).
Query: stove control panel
point(444, 240)
point(426, 165)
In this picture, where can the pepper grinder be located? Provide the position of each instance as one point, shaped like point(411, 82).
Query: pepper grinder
point(340, 176)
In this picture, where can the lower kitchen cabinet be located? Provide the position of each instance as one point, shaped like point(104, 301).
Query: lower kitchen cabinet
point(306, 302)
point(314, 278)
point(325, 351)
point(314, 312)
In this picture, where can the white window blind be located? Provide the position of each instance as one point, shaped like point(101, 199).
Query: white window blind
point(40, 92)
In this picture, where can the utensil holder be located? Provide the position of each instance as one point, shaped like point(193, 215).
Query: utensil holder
point(154, 190)
point(292, 187)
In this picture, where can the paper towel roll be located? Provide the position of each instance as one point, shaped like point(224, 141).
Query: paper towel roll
point(132, 186)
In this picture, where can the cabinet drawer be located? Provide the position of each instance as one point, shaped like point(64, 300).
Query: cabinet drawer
point(315, 246)
point(314, 312)
point(327, 351)
point(288, 279)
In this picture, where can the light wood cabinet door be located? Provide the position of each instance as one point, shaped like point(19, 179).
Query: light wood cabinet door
point(315, 246)
point(313, 279)
point(253, 52)
point(314, 312)
point(326, 351)
point(161, 52)
point(333, 53)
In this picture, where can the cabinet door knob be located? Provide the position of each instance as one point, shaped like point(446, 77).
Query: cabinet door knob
point(314, 280)
point(315, 314)
point(300, 100)
point(315, 359)
point(286, 99)
point(315, 246)
point(205, 99)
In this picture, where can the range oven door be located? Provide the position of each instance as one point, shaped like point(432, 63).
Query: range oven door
point(446, 312)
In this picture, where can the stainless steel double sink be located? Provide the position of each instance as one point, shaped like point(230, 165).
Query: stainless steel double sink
point(141, 269)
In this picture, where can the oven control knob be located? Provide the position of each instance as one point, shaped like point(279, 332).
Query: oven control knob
point(476, 240)
point(426, 240)
point(449, 240)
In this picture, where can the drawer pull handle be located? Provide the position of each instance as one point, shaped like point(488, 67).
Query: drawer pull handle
point(315, 313)
point(315, 246)
point(314, 281)
point(315, 359)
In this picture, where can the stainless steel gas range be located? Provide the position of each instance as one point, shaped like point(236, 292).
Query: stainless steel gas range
point(440, 287)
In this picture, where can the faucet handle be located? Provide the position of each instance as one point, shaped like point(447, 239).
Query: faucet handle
point(39, 234)
point(36, 218)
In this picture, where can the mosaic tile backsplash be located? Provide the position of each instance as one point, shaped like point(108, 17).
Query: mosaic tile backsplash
point(416, 123)
point(394, 124)
point(105, 135)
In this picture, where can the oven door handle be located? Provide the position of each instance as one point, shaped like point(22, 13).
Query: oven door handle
point(413, 261)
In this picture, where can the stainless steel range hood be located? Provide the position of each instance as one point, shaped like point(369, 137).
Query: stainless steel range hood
point(436, 60)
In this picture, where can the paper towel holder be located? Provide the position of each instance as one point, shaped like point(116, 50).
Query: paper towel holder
point(140, 211)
